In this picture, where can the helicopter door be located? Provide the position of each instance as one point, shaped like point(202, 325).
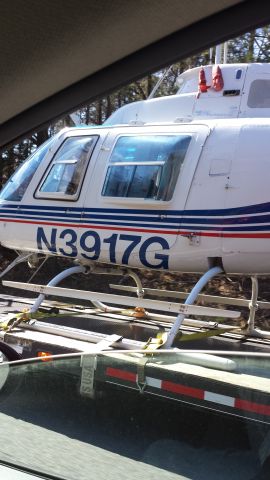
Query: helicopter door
point(247, 197)
point(140, 194)
point(52, 203)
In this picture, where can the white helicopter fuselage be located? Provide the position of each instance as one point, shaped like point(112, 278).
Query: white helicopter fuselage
point(183, 194)
point(129, 207)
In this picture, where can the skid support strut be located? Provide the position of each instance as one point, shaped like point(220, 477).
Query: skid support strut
point(253, 305)
point(189, 301)
point(81, 269)
point(55, 281)
point(23, 257)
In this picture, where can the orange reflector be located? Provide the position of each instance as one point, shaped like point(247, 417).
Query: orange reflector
point(44, 356)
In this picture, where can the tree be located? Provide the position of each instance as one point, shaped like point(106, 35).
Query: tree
point(253, 46)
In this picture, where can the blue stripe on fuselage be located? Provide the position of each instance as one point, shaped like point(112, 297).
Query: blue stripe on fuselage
point(147, 218)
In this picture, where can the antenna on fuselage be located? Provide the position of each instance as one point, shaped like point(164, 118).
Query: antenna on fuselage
point(218, 55)
point(225, 52)
point(211, 55)
point(159, 82)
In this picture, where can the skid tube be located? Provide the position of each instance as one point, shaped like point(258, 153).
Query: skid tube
point(163, 339)
point(190, 301)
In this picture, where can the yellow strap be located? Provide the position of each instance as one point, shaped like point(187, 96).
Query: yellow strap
point(185, 337)
point(4, 325)
point(156, 342)
point(25, 316)
point(14, 319)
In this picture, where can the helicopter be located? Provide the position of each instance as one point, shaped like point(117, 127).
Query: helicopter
point(178, 183)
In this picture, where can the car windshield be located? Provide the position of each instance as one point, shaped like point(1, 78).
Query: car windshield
point(178, 415)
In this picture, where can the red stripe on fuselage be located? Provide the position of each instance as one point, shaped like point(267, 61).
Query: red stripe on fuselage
point(141, 230)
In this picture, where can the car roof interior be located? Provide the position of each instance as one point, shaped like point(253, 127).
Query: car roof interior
point(58, 55)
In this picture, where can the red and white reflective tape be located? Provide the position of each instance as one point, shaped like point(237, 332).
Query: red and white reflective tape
point(198, 393)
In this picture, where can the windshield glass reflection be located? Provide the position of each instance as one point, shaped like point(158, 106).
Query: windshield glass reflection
point(126, 415)
point(16, 186)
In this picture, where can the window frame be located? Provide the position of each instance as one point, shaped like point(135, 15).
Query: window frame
point(106, 198)
point(38, 194)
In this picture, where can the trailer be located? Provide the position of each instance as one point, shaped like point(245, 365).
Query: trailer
point(220, 363)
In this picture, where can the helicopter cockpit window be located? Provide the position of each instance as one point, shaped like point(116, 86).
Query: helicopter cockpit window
point(18, 183)
point(145, 166)
point(67, 169)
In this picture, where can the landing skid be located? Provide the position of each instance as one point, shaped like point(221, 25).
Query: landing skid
point(149, 310)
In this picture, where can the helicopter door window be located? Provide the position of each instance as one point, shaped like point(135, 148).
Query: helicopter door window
point(145, 166)
point(67, 169)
